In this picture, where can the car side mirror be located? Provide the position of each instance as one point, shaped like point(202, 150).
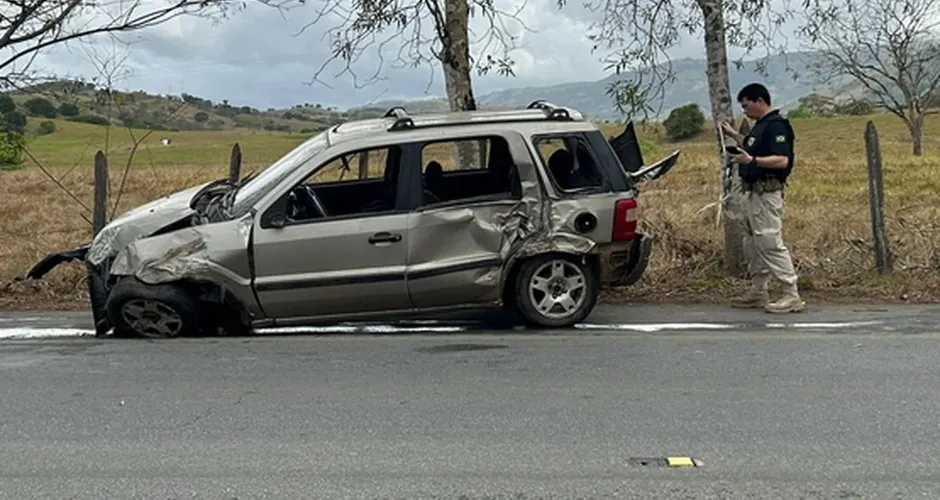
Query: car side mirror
point(277, 220)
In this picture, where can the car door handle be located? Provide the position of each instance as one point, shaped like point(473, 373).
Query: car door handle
point(384, 237)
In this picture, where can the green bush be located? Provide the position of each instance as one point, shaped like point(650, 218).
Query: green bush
point(13, 121)
point(37, 106)
point(92, 119)
point(799, 113)
point(6, 104)
point(68, 109)
point(12, 145)
point(47, 127)
point(684, 122)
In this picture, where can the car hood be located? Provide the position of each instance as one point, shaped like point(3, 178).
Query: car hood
point(141, 222)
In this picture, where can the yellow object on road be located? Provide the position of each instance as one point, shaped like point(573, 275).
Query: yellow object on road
point(680, 462)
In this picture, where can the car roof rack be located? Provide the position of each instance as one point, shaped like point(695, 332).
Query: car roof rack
point(554, 112)
point(536, 110)
point(402, 120)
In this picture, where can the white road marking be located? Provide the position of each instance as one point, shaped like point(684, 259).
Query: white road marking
point(823, 325)
point(39, 332)
point(656, 327)
point(363, 328)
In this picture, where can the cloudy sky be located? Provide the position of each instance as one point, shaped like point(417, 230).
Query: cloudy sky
point(261, 57)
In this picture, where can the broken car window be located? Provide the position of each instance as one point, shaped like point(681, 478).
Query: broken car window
point(465, 169)
point(569, 160)
point(354, 183)
point(257, 188)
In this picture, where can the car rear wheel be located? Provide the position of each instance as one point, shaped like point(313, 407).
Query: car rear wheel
point(555, 291)
point(151, 311)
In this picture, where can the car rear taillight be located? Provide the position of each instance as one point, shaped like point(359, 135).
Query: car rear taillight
point(626, 215)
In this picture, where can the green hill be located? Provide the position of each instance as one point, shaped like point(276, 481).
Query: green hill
point(85, 102)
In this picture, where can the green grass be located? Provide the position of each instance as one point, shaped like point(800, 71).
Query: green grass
point(76, 142)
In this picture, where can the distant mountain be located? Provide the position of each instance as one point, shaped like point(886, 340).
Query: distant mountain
point(86, 102)
point(691, 86)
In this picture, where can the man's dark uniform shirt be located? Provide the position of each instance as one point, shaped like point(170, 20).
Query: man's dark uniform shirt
point(772, 135)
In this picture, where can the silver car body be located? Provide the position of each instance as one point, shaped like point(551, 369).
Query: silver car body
point(241, 249)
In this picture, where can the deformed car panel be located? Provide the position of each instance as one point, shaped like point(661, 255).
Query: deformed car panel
point(213, 253)
point(141, 222)
point(467, 251)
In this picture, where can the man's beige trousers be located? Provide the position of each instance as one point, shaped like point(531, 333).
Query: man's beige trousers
point(763, 246)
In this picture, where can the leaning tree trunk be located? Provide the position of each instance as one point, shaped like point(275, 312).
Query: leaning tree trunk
point(719, 95)
point(455, 58)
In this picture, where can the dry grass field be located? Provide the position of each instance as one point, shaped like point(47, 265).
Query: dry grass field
point(827, 225)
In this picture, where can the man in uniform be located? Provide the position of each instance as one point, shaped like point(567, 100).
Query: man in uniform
point(764, 165)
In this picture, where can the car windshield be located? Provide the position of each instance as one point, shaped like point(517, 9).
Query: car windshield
point(256, 188)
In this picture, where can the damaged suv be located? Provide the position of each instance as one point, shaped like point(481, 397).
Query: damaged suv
point(531, 210)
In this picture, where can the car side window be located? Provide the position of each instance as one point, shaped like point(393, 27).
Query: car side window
point(467, 170)
point(357, 182)
point(569, 161)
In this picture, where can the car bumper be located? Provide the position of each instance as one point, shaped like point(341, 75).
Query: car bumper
point(49, 262)
point(97, 282)
point(623, 264)
point(98, 296)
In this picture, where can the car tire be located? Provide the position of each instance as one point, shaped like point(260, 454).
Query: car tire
point(151, 311)
point(555, 291)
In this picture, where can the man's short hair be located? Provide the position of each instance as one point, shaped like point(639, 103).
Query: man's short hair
point(754, 91)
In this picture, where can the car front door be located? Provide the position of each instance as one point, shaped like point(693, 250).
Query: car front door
point(456, 234)
point(350, 261)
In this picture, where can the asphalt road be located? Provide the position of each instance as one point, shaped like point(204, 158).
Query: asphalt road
point(790, 407)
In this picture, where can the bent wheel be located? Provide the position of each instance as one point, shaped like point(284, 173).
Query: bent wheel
point(151, 311)
point(152, 318)
point(555, 291)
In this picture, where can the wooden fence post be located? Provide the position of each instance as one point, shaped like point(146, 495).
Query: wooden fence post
point(101, 193)
point(883, 260)
point(235, 164)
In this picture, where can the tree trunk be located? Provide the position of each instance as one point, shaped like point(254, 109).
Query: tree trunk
point(916, 128)
point(455, 58)
point(719, 95)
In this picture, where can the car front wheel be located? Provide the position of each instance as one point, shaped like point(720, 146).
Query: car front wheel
point(555, 291)
point(151, 311)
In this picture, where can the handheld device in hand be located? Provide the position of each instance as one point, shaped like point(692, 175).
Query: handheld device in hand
point(734, 150)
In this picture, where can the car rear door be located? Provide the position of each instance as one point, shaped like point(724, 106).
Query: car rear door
point(455, 236)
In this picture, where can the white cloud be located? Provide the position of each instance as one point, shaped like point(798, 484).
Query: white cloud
point(255, 58)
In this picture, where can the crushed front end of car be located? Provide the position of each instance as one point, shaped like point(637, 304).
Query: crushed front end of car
point(191, 207)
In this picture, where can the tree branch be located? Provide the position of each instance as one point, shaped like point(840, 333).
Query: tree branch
point(29, 26)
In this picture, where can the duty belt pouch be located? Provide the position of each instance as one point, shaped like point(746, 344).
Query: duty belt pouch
point(767, 186)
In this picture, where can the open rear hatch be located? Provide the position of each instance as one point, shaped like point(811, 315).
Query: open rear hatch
point(627, 148)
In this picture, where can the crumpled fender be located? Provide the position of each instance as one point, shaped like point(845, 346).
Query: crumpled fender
point(214, 253)
point(539, 225)
point(185, 254)
point(182, 254)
